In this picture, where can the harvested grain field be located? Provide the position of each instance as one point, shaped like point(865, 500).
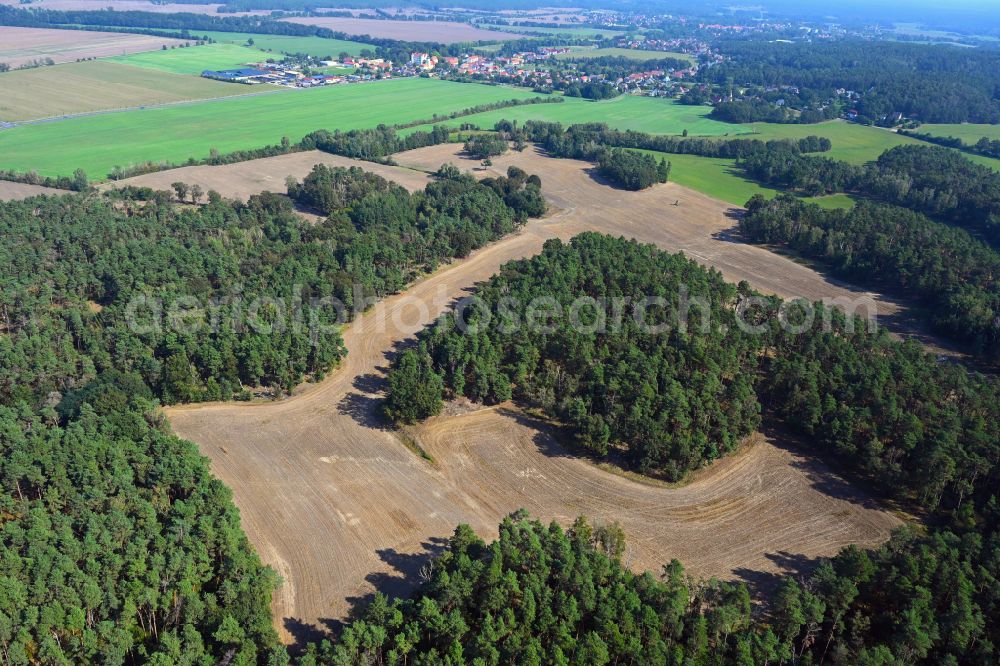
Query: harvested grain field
point(446, 32)
point(336, 502)
point(10, 191)
point(243, 179)
point(81, 87)
point(130, 5)
point(19, 46)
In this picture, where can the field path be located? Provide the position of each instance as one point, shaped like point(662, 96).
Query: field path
point(340, 507)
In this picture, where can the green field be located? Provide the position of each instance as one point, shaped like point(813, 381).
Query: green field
point(99, 143)
point(95, 85)
point(967, 132)
point(318, 47)
point(852, 143)
point(633, 54)
point(193, 59)
point(645, 114)
point(721, 179)
point(714, 176)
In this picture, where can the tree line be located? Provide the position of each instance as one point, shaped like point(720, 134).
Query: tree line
point(932, 83)
point(942, 268)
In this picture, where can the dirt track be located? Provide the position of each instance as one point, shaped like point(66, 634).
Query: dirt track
point(242, 179)
point(339, 506)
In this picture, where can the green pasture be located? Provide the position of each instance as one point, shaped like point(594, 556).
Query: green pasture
point(967, 132)
point(193, 59)
point(644, 114)
point(173, 134)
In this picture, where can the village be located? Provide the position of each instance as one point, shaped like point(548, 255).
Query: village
point(538, 69)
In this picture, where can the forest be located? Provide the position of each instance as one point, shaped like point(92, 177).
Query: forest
point(935, 181)
point(943, 268)
point(931, 83)
point(924, 433)
point(118, 546)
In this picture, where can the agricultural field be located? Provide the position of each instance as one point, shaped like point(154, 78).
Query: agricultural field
point(317, 47)
point(96, 85)
point(967, 132)
point(130, 5)
point(644, 114)
point(289, 462)
point(632, 54)
point(10, 191)
point(244, 179)
point(174, 134)
point(446, 32)
point(194, 59)
point(582, 32)
point(721, 179)
point(19, 46)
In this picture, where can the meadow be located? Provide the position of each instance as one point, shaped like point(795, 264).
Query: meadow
point(95, 85)
point(644, 114)
point(99, 143)
point(631, 54)
point(193, 59)
point(318, 47)
point(967, 132)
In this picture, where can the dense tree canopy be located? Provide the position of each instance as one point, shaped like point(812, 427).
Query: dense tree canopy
point(892, 247)
point(935, 84)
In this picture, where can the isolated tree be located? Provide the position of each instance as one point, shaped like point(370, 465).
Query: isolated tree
point(181, 189)
point(196, 193)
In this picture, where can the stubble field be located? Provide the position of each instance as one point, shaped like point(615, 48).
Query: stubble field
point(336, 502)
point(23, 45)
point(446, 32)
point(82, 87)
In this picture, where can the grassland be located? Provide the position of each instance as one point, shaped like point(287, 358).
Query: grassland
point(969, 133)
point(81, 87)
point(632, 54)
point(317, 47)
point(99, 143)
point(645, 114)
point(193, 59)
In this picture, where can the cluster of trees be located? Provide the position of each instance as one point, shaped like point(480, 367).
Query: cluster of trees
point(541, 594)
point(486, 145)
point(632, 170)
point(925, 433)
point(584, 139)
point(952, 273)
point(78, 182)
point(668, 402)
point(592, 90)
point(933, 83)
point(762, 110)
point(934, 181)
point(985, 146)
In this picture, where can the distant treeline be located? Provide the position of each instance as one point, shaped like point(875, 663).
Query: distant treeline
point(985, 146)
point(581, 138)
point(932, 83)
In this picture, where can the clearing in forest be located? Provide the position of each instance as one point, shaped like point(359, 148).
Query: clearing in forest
point(340, 506)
